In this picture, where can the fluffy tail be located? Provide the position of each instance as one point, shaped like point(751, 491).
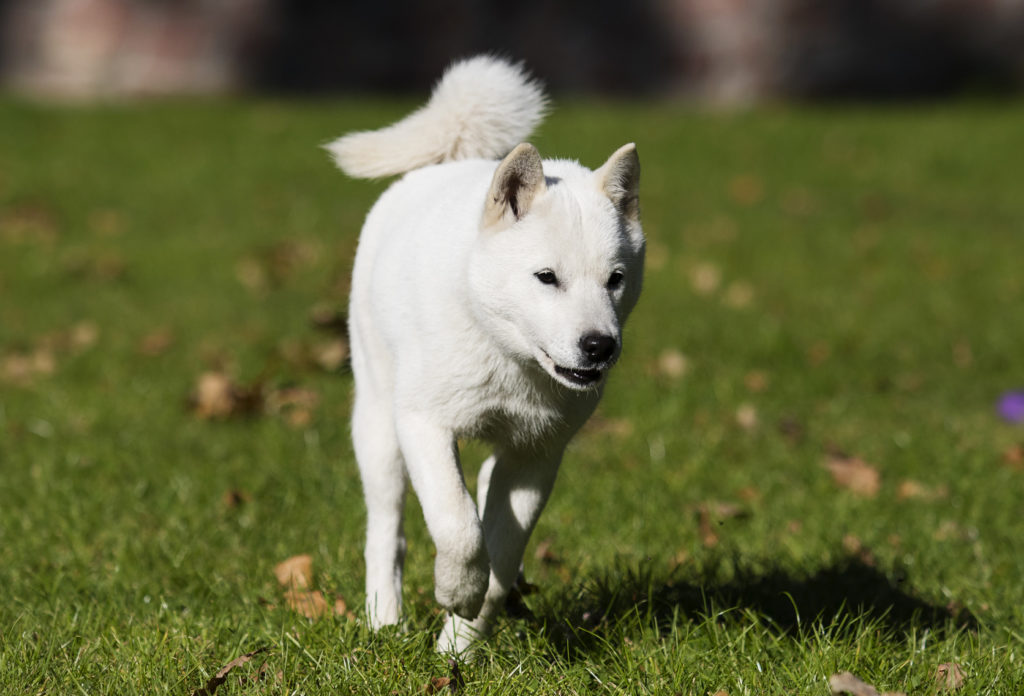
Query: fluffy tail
point(482, 107)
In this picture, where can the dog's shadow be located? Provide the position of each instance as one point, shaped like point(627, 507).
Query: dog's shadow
point(838, 599)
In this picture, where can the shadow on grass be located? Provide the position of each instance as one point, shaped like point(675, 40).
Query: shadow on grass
point(838, 599)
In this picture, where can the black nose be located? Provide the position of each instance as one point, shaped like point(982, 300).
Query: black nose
point(597, 347)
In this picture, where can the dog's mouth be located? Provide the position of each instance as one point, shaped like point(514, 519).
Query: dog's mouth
point(579, 377)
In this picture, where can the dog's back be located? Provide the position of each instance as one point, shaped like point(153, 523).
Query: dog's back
point(481, 108)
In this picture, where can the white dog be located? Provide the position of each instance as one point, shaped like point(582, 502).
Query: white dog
point(488, 300)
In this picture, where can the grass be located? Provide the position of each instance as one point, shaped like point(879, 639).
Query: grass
point(820, 280)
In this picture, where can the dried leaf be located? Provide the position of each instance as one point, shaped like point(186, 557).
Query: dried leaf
point(950, 676)
point(846, 683)
point(217, 396)
point(792, 429)
point(83, 336)
point(453, 683)
point(616, 427)
point(705, 278)
point(331, 355)
point(708, 537)
point(32, 224)
point(746, 189)
point(818, 353)
point(156, 342)
point(756, 381)
point(437, 684)
point(295, 573)
point(295, 404)
point(915, 490)
point(218, 679)
point(309, 603)
point(738, 295)
point(672, 363)
point(235, 498)
point(328, 318)
point(712, 514)
point(545, 555)
point(855, 475)
point(1014, 457)
point(746, 416)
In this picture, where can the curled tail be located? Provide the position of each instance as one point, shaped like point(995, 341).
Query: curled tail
point(481, 108)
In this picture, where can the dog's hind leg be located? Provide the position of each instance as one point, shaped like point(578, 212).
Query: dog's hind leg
point(383, 474)
point(517, 488)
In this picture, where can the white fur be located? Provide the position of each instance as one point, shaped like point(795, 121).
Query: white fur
point(454, 335)
point(481, 107)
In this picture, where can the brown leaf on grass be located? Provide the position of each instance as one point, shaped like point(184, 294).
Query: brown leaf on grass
point(616, 427)
point(671, 363)
point(22, 368)
point(798, 202)
point(308, 603)
point(454, 682)
point(746, 416)
point(705, 278)
point(708, 537)
point(1014, 457)
point(712, 514)
point(436, 685)
point(216, 396)
point(41, 358)
point(83, 336)
point(756, 381)
point(331, 355)
point(949, 676)
point(749, 494)
point(792, 430)
point(156, 342)
point(106, 222)
point(854, 474)
point(855, 547)
point(28, 224)
point(295, 404)
point(544, 554)
point(234, 498)
point(272, 266)
point(721, 692)
point(218, 679)
point(846, 683)
point(106, 266)
point(295, 573)
point(746, 189)
point(326, 317)
point(738, 295)
point(915, 490)
point(818, 353)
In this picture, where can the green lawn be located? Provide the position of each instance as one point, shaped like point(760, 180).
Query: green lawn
point(824, 285)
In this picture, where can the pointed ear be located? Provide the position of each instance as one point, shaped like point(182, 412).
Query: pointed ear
point(619, 178)
point(517, 182)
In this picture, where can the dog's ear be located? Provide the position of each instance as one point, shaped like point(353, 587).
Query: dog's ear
point(517, 182)
point(619, 178)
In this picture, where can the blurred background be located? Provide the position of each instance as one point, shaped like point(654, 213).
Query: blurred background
point(720, 51)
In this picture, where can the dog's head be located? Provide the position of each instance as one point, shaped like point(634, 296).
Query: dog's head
point(558, 264)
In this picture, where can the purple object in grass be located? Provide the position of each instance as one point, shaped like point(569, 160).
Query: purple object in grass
point(1011, 406)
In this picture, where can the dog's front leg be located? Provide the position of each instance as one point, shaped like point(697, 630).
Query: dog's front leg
point(461, 567)
point(517, 488)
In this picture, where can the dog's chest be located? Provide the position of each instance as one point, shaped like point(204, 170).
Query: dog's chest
point(516, 412)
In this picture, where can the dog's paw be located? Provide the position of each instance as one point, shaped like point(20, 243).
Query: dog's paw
point(460, 580)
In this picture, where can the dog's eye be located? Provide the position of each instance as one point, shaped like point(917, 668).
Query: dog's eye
point(546, 277)
point(615, 279)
